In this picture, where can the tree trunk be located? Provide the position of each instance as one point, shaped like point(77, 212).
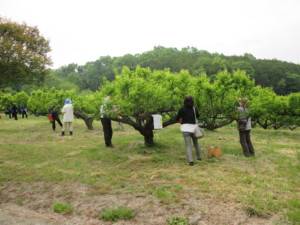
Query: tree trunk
point(146, 129)
point(148, 139)
point(88, 120)
point(147, 132)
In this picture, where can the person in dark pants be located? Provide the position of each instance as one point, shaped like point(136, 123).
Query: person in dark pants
point(23, 111)
point(15, 111)
point(105, 108)
point(108, 133)
point(55, 117)
point(245, 139)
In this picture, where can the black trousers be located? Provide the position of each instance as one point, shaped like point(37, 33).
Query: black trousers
point(107, 129)
point(24, 113)
point(246, 143)
point(55, 118)
point(15, 115)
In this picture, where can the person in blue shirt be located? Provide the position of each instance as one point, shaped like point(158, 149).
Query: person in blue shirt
point(23, 111)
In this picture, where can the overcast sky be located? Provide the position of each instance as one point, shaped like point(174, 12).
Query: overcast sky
point(83, 30)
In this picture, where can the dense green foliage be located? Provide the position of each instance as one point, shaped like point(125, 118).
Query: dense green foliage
point(23, 55)
point(283, 77)
point(142, 92)
point(40, 101)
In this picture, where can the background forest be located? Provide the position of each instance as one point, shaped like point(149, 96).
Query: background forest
point(283, 77)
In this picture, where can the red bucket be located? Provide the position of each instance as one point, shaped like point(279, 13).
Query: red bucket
point(50, 117)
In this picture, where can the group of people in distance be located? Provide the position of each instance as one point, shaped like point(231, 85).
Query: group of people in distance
point(187, 115)
point(68, 118)
point(13, 111)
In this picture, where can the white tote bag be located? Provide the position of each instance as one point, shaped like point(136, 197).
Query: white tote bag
point(198, 132)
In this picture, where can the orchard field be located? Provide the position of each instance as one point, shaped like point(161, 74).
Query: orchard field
point(145, 178)
point(40, 169)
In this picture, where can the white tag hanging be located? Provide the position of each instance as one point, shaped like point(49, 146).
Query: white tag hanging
point(157, 121)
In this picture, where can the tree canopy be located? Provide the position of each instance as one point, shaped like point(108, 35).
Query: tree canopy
point(142, 92)
point(23, 54)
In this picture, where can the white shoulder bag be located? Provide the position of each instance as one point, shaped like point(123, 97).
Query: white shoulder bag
point(198, 132)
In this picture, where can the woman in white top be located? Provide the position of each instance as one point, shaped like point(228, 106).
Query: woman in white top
point(68, 118)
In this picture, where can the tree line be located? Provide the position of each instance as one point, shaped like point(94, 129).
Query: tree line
point(282, 76)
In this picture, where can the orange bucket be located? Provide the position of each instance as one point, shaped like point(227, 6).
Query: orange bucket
point(214, 151)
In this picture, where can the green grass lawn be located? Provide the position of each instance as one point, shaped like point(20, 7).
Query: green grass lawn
point(265, 185)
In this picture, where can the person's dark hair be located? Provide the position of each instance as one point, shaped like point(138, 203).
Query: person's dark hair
point(188, 101)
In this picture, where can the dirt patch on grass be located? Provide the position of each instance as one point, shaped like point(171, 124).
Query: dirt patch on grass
point(31, 203)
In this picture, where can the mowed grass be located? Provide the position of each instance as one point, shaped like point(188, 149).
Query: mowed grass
point(265, 185)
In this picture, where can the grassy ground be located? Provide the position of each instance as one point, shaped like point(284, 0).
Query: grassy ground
point(265, 189)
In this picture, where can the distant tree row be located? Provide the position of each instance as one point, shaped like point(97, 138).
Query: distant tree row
point(282, 76)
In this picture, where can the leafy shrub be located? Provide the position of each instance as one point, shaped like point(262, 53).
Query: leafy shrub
point(62, 208)
point(253, 212)
point(178, 221)
point(164, 195)
point(116, 214)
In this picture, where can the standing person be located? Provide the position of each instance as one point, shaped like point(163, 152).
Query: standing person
point(68, 118)
point(23, 111)
point(15, 111)
point(55, 117)
point(244, 134)
point(105, 109)
point(187, 114)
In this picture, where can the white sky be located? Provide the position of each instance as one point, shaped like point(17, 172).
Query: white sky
point(83, 30)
